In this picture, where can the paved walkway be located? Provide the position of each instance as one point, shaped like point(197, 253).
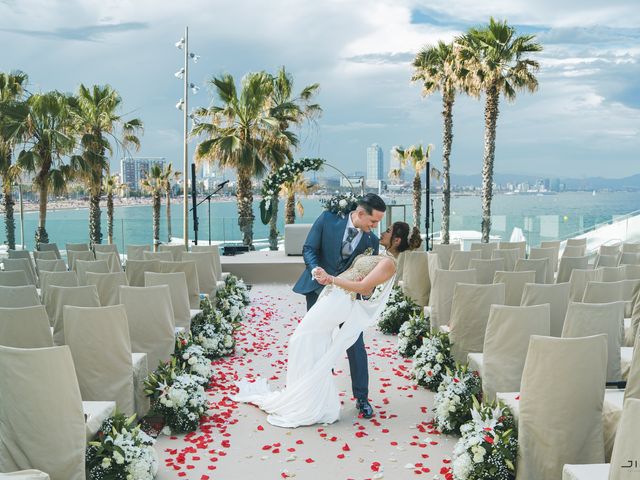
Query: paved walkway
point(236, 442)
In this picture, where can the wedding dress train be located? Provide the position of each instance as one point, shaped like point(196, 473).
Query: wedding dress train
point(310, 395)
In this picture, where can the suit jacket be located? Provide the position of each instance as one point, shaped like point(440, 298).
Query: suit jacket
point(323, 248)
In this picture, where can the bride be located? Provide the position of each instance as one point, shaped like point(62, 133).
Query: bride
point(331, 326)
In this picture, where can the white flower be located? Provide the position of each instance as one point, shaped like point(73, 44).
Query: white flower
point(342, 203)
point(119, 459)
point(106, 462)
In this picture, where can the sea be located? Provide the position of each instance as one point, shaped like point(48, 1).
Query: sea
point(539, 217)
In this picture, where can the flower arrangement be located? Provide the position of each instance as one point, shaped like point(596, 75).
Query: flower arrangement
point(398, 310)
point(121, 451)
point(432, 360)
point(230, 305)
point(214, 333)
point(193, 358)
point(341, 204)
point(454, 399)
point(488, 448)
point(287, 173)
point(236, 287)
point(177, 396)
point(411, 333)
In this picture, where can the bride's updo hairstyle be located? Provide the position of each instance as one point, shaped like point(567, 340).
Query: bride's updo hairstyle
point(409, 239)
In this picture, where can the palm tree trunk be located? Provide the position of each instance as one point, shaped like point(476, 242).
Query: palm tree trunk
point(273, 225)
point(447, 140)
point(110, 218)
point(95, 233)
point(490, 119)
point(245, 207)
point(41, 233)
point(9, 220)
point(290, 207)
point(156, 220)
point(168, 216)
point(417, 199)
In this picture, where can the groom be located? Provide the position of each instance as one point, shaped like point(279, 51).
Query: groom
point(332, 244)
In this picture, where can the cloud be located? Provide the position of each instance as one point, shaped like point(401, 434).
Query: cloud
point(88, 33)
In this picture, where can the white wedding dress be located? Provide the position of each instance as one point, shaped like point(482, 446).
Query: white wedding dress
point(310, 395)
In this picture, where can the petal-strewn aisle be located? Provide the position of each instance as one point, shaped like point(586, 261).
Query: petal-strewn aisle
point(236, 442)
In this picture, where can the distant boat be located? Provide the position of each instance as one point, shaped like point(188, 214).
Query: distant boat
point(593, 194)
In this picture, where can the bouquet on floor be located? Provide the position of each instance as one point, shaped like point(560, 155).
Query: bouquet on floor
point(398, 310)
point(238, 289)
point(488, 448)
point(121, 451)
point(193, 358)
point(215, 336)
point(432, 360)
point(230, 304)
point(177, 396)
point(411, 334)
point(455, 397)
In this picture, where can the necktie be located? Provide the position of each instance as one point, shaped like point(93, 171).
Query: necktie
point(347, 249)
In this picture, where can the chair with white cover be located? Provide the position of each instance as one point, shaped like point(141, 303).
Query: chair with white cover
point(190, 271)
point(30, 474)
point(25, 327)
point(58, 297)
point(135, 252)
point(556, 295)
point(613, 274)
point(607, 261)
point(106, 248)
point(112, 259)
point(136, 268)
point(586, 319)
point(177, 283)
point(205, 268)
point(22, 254)
point(108, 286)
point(60, 279)
point(630, 258)
point(43, 420)
point(574, 251)
point(14, 278)
point(486, 249)
point(56, 265)
point(613, 249)
point(76, 247)
point(577, 242)
point(510, 257)
point(486, 269)
point(579, 279)
point(45, 255)
point(399, 267)
point(220, 275)
point(632, 272)
point(460, 259)
point(16, 297)
point(50, 247)
point(567, 264)
point(151, 326)
point(604, 292)
point(630, 247)
point(506, 342)
point(94, 266)
point(539, 266)
point(551, 254)
point(514, 285)
point(73, 255)
point(631, 332)
point(442, 288)
point(555, 244)
point(470, 308)
point(625, 450)
point(559, 410)
point(23, 264)
point(416, 283)
point(105, 366)
point(160, 256)
point(433, 264)
point(176, 251)
point(444, 253)
point(521, 246)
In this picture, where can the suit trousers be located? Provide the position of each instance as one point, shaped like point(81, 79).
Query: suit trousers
point(358, 362)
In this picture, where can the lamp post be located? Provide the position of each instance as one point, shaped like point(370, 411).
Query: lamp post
point(183, 104)
point(427, 206)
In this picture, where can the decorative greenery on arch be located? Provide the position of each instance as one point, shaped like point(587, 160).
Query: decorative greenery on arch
point(285, 174)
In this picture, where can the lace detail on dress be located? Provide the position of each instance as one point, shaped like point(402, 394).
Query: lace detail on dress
point(361, 267)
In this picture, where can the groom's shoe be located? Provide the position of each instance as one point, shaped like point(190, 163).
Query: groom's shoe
point(365, 407)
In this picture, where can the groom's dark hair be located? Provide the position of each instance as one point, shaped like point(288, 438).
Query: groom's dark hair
point(371, 202)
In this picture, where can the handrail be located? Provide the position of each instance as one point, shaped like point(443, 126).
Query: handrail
point(621, 218)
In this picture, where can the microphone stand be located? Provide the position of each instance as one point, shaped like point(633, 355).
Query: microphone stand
point(208, 200)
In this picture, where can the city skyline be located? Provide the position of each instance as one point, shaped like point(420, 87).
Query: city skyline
point(586, 113)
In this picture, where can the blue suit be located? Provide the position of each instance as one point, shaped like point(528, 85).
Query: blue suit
point(323, 248)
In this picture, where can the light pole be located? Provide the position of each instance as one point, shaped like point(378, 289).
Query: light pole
point(183, 104)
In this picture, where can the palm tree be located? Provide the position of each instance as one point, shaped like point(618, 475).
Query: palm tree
point(416, 157)
point(288, 110)
point(46, 123)
point(436, 67)
point(95, 119)
point(11, 91)
point(111, 187)
point(242, 134)
point(496, 56)
point(168, 175)
point(154, 184)
point(299, 186)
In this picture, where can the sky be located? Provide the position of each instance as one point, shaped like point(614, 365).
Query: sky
point(583, 121)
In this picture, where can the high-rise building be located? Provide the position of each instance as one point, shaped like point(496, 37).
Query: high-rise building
point(134, 169)
point(374, 165)
point(394, 164)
